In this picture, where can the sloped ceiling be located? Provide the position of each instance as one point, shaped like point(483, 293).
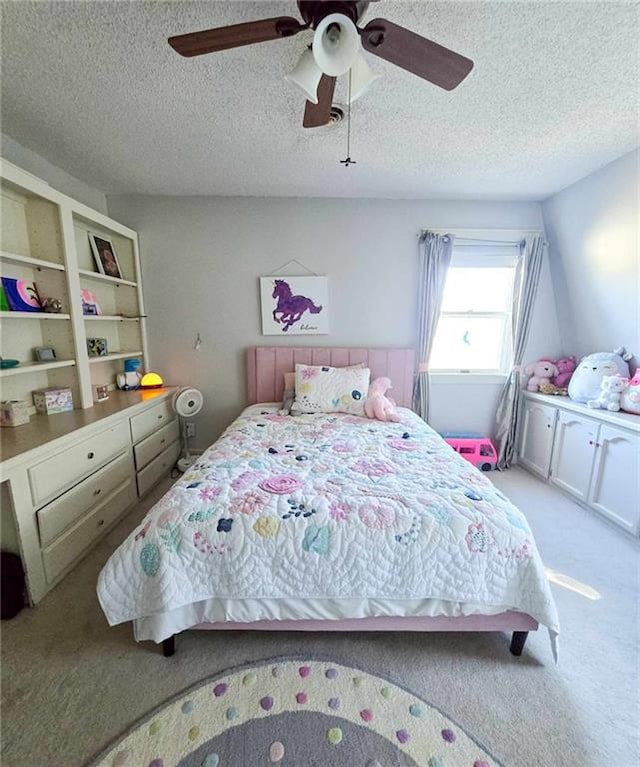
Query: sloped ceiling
point(94, 87)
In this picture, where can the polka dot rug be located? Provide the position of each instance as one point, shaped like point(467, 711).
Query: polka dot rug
point(296, 713)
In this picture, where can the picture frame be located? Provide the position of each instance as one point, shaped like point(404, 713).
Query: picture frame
point(90, 306)
point(21, 295)
point(294, 305)
point(104, 253)
point(97, 347)
point(45, 353)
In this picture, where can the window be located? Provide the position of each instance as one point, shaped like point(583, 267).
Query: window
point(474, 331)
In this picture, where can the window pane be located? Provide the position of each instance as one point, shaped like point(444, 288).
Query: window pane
point(468, 343)
point(481, 289)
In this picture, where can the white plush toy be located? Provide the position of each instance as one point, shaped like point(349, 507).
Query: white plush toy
point(611, 387)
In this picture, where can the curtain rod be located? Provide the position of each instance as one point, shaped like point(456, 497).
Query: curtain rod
point(459, 239)
point(477, 241)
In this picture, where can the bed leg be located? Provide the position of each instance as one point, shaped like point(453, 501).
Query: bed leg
point(518, 641)
point(169, 646)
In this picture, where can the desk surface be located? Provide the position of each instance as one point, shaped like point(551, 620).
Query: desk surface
point(41, 429)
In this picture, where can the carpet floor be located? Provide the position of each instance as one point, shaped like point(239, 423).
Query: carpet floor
point(71, 685)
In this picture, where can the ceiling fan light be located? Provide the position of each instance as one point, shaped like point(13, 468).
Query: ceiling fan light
point(362, 77)
point(336, 43)
point(307, 76)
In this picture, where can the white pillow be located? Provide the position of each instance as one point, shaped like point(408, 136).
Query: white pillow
point(323, 389)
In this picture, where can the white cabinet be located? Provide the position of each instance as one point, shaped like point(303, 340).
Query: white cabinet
point(594, 455)
point(573, 453)
point(62, 492)
point(536, 437)
point(615, 489)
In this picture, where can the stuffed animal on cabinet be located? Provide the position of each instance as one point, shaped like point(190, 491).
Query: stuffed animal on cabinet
point(566, 366)
point(611, 388)
point(630, 398)
point(541, 373)
point(585, 382)
point(377, 405)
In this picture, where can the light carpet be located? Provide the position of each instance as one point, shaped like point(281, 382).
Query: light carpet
point(71, 685)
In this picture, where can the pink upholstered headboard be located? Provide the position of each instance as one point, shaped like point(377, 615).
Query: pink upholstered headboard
point(266, 364)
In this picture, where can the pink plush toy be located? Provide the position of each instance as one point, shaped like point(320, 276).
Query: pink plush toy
point(541, 372)
point(566, 366)
point(377, 405)
point(630, 399)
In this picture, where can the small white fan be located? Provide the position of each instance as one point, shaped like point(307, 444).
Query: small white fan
point(187, 402)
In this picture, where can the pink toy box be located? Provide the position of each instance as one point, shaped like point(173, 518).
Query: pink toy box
point(473, 447)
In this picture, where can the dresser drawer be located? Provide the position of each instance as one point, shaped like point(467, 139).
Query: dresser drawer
point(151, 420)
point(152, 446)
point(72, 544)
point(148, 477)
point(73, 504)
point(68, 466)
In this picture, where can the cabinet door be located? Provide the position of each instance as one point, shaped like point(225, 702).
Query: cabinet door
point(615, 490)
point(573, 453)
point(536, 437)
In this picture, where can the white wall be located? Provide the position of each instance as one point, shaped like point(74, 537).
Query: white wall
point(592, 228)
point(59, 179)
point(201, 259)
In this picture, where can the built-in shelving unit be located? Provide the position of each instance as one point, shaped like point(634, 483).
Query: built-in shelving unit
point(105, 278)
point(38, 263)
point(36, 367)
point(113, 357)
point(44, 239)
point(33, 316)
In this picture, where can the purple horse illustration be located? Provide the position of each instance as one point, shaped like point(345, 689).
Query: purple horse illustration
point(290, 307)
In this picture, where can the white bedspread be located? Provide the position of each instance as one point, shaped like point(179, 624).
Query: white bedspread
point(328, 507)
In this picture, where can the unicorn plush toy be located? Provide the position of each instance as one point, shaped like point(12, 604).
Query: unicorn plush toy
point(377, 405)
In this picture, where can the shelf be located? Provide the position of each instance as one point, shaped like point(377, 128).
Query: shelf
point(110, 318)
point(33, 316)
point(38, 263)
point(36, 367)
point(113, 357)
point(105, 278)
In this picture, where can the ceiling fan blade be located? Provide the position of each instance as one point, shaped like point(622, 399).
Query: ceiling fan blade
point(415, 53)
point(223, 38)
point(317, 115)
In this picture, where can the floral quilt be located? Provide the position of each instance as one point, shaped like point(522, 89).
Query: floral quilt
point(331, 506)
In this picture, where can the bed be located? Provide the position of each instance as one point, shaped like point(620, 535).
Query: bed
point(329, 522)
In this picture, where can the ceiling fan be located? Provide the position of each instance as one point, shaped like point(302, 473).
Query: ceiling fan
point(336, 50)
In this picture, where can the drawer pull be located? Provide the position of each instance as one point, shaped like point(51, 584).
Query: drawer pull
point(97, 491)
point(160, 417)
point(90, 455)
point(100, 522)
point(163, 440)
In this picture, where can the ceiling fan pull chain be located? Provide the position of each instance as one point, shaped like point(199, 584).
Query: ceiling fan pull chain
point(348, 160)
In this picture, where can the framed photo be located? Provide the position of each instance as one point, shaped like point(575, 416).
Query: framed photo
point(90, 304)
point(294, 306)
point(104, 253)
point(45, 353)
point(97, 347)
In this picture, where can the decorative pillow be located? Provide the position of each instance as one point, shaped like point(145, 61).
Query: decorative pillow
point(289, 394)
point(323, 389)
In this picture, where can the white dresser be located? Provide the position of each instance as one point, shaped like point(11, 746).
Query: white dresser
point(593, 455)
point(66, 479)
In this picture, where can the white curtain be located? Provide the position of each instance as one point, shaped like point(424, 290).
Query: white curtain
point(524, 296)
point(434, 253)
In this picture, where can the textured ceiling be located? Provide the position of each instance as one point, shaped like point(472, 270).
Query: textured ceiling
point(94, 87)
